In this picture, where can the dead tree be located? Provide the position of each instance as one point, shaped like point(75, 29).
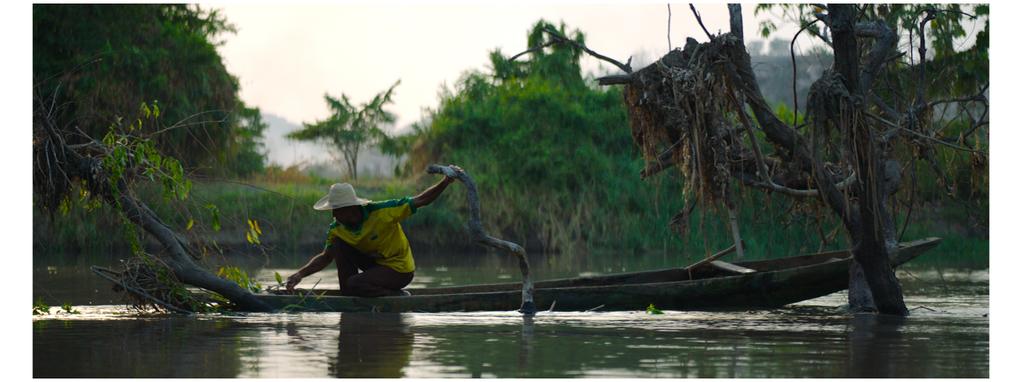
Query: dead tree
point(690, 110)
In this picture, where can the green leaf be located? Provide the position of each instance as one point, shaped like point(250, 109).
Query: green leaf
point(214, 216)
point(40, 307)
point(653, 310)
point(280, 280)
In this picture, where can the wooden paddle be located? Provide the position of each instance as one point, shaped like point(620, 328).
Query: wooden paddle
point(710, 259)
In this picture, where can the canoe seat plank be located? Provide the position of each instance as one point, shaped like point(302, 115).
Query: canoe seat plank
point(731, 267)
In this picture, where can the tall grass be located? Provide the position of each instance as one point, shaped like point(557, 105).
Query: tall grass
point(577, 226)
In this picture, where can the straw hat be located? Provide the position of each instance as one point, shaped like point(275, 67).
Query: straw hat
point(340, 195)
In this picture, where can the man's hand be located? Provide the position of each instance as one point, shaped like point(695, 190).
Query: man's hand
point(292, 281)
point(428, 196)
point(457, 170)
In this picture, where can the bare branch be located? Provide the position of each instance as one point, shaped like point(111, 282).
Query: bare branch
point(626, 67)
point(942, 142)
point(972, 130)
point(615, 79)
point(808, 193)
point(886, 41)
point(669, 45)
point(663, 161)
point(533, 49)
point(976, 97)
point(794, 71)
point(920, 90)
point(763, 173)
point(700, 20)
point(954, 11)
point(479, 234)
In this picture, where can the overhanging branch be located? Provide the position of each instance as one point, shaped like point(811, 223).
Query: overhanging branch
point(558, 37)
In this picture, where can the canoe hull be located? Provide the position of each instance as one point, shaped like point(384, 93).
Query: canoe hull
point(814, 276)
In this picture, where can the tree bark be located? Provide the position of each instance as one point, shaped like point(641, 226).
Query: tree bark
point(475, 229)
point(177, 256)
point(181, 262)
point(870, 247)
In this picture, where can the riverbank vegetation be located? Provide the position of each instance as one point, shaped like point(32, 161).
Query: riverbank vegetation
point(552, 153)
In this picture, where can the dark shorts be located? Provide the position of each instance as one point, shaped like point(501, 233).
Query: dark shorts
point(374, 280)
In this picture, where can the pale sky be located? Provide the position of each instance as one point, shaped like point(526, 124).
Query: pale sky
point(287, 56)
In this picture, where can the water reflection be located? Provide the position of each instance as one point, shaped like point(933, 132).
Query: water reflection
point(371, 345)
point(525, 342)
point(809, 339)
point(875, 344)
point(169, 347)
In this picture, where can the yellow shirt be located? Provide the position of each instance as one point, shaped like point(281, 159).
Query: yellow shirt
point(380, 235)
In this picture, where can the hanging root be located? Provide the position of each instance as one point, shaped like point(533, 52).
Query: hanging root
point(683, 113)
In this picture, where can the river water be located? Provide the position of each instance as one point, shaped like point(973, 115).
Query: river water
point(946, 336)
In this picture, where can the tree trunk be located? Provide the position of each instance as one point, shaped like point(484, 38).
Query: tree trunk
point(870, 246)
point(351, 159)
point(181, 262)
point(177, 256)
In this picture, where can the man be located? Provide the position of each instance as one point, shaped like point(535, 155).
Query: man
point(367, 236)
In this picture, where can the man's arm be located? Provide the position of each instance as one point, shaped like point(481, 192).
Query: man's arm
point(316, 264)
point(428, 196)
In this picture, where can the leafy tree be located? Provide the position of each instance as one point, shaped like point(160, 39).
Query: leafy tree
point(954, 71)
point(92, 63)
point(349, 128)
point(547, 148)
point(106, 59)
point(869, 118)
point(247, 147)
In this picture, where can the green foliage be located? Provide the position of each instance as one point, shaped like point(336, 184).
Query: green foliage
point(350, 127)
point(40, 307)
point(279, 279)
point(68, 309)
point(550, 152)
point(960, 71)
point(102, 59)
point(214, 216)
point(240, 277)
point(246, 156)
point(129, 153)
point(790, 117)
point(653, 310)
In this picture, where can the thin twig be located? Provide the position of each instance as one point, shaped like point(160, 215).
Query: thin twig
point(794, 72)
point(911, 201)
point(215, 179)
point(626, 67)
point(669, 45)
point(930, 15)
point(700, 21)
point(533, 49)
point(100, 271)
point(975, 97)
point(948, 144)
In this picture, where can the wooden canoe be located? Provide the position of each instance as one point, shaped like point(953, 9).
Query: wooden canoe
point(747, 285)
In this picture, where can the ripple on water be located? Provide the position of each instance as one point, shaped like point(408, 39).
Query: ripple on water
point(809, 339)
